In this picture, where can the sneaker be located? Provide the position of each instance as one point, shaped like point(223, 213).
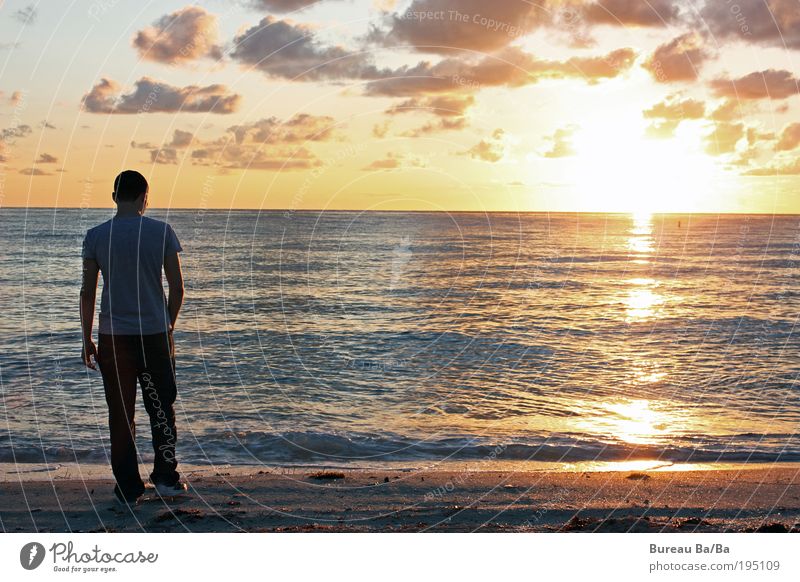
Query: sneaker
point(179, 488)
point(125, 502)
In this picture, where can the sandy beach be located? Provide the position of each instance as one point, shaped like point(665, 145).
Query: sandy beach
point(752, 498)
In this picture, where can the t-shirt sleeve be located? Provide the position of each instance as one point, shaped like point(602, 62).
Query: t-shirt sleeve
point(87, 249)
point(171, 245)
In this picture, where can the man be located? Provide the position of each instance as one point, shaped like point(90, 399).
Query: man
point(135, 332)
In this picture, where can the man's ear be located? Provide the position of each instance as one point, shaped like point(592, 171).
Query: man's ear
point(114, 196)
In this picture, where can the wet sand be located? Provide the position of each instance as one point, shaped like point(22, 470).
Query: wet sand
point(750, 499)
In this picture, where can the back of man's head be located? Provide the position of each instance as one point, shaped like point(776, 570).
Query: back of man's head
point(129, 185)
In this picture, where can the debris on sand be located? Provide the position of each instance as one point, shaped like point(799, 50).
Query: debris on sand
point(326, 475)
point(638, 477)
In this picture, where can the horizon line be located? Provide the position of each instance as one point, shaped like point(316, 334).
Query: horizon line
point(408, 211)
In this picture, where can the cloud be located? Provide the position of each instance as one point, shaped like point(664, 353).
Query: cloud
point(444, 124)
point(511, 67)
point(724, 138)
point(9, 134)
point(47, 125)
point(164, 156)
point(46, 159)
point(27, 15)
point(675, 108)
point(790, 138)
point(393, 161)
point(301, 128)
point(488, 150)
point(282, 6)
point(669, 114)
point(285, 50)
point(653, 13)
point(787, 168)
point(268, 144)
point(765, 22)
point(151, 96)
point(678, 60)
point(185, 35)
point(379, 130)
point(768, 84)
point(451, 105)
point(441, 26)
point(728, 110)
point(562, 143)
point(16, 98)
point(33, 172)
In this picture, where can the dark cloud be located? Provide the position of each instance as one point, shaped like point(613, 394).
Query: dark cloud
point(301, 128)
point(511, 67)
point(650, 13)
point(769, 84)
point(440, 26)
point(151, 96)
point(184, 35)
point(164, 156)
point(281, 6)
point(678, 60)
point(10, 134)
point(27, 15)
point(46, 159)
point(766, 22)
point(491, 149)
point(290, 51)
point(33, 172)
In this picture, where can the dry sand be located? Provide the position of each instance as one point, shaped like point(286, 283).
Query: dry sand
point(750, 499)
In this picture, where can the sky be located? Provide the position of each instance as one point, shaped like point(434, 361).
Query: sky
point(510, 105)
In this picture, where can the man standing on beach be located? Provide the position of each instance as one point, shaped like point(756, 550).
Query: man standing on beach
point(135, 332)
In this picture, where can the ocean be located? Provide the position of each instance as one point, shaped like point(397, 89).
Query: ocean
point(360, 338)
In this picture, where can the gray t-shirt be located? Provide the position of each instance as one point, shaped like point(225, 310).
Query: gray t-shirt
point(131, 252)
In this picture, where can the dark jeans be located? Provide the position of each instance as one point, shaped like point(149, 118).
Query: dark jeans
point(150, 359)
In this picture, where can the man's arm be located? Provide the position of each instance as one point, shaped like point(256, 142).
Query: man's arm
point(88, 294)
point(172, 270)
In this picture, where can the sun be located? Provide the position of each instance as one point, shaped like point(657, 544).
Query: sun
point(616, 167)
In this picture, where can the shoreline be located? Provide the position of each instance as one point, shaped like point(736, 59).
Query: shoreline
point(751, 498)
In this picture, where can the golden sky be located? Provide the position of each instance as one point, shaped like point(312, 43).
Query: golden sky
point(562, 105)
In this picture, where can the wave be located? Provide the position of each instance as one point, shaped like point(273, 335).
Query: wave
point(299, 447)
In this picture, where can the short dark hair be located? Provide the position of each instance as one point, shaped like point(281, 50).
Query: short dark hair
point(129, 185)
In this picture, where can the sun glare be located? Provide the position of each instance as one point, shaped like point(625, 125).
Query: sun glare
point(617, 168)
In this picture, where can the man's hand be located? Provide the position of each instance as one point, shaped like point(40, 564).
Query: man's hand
point(89, 354)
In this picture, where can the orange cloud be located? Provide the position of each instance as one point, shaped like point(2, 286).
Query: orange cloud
point(724, 138)
point(511, 67)
point(790, 138)
point(769, 84)
point(488, 150)
point(562, 143)
point(678, 60)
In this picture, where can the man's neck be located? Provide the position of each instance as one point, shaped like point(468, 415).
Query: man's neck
point(128, 212)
